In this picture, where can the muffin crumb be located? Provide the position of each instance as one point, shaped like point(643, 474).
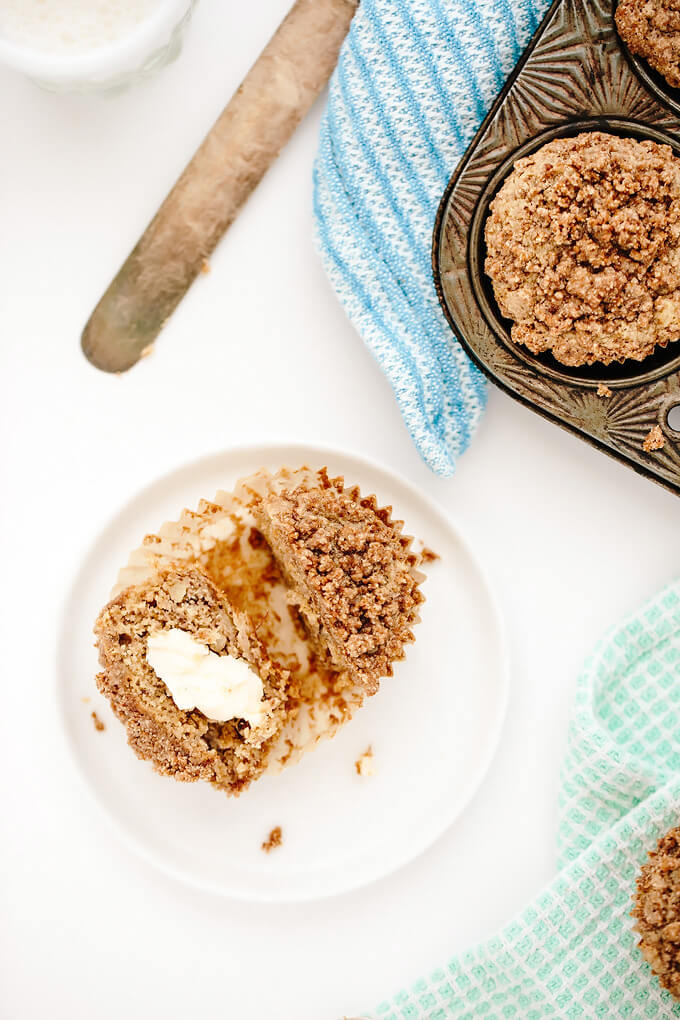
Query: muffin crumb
point(98, 724)
point(654, 440)
point(274, 839)
point(603, 391)
point(364, 764)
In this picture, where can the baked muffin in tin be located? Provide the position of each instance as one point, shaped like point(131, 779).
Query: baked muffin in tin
point(583, 249)
point(651, 29)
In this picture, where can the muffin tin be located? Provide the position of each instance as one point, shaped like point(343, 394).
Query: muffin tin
point(576, 75)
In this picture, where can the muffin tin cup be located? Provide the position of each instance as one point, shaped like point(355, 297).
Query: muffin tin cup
point(574, 76)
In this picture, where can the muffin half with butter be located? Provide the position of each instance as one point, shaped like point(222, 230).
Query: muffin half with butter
point(187, 676)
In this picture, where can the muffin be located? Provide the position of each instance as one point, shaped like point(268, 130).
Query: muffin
point(657, 911)
point(651, 29)
point(187, 676)
point(322, 613)
point(349, 569)
point(583, 249)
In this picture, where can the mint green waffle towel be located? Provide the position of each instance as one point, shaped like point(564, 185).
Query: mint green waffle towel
point(572, 952)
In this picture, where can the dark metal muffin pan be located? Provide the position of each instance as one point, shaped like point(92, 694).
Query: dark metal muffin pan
point(575, 75)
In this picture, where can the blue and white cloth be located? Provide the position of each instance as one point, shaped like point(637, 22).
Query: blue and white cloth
point(414, 81)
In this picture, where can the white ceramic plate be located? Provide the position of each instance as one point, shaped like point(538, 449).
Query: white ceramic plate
point(433, 727)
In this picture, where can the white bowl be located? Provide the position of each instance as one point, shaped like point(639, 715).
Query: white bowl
point(148, 47)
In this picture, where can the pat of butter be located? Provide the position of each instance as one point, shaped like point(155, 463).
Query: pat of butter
point(220, 686)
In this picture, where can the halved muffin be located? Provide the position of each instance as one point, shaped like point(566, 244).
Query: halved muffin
point(176, 640)
point(349, 568)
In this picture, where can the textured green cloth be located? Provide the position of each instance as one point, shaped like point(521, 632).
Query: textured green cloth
point(572, 952)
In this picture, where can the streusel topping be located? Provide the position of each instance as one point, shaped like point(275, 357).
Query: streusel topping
point(584, 248)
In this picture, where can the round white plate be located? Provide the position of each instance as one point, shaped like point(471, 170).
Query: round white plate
point(433, 727)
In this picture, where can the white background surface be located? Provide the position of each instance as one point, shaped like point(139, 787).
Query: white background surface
point(260, 349)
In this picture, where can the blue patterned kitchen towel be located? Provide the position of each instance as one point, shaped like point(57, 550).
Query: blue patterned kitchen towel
point(414, 81)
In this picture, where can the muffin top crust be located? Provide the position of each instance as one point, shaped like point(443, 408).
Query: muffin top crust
point(651, 29)
point(657, 911)
point(583, 249)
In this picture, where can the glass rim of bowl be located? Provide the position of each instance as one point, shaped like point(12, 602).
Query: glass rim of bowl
point(109, 58)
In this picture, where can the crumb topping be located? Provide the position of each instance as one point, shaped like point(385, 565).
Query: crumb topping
point(584, 249)
point(603, 391)
point(657, 911)
point(651, 29)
